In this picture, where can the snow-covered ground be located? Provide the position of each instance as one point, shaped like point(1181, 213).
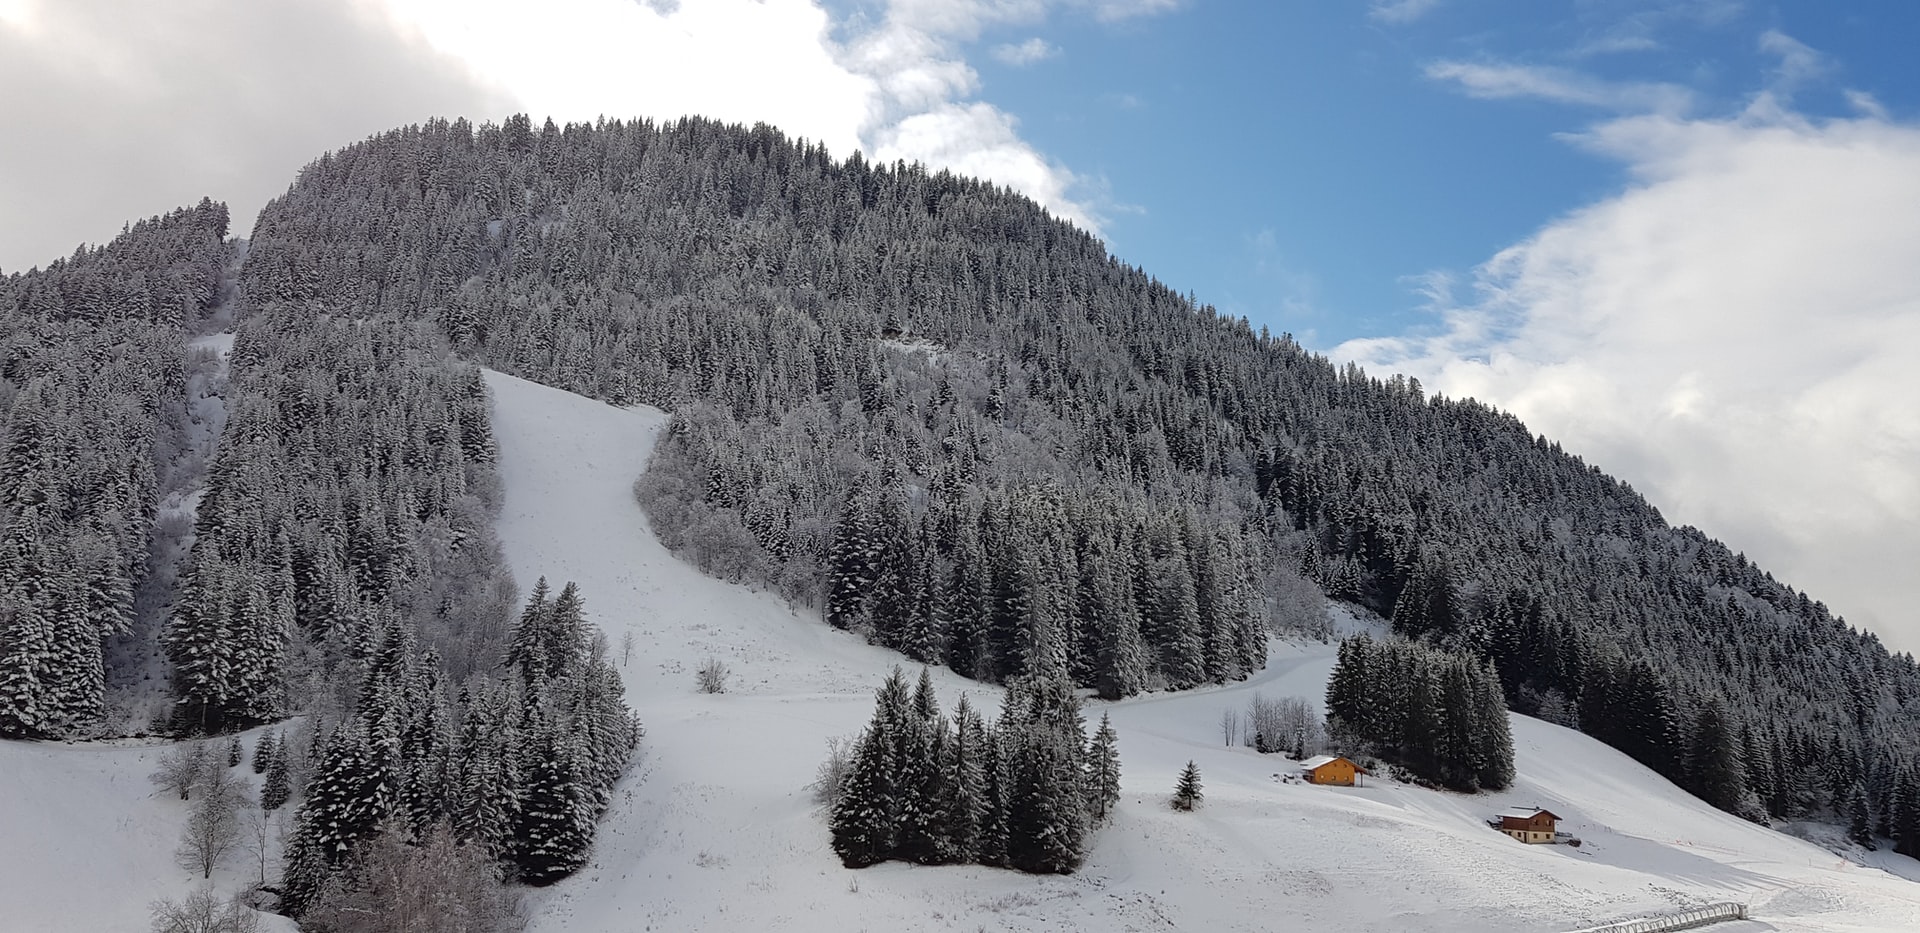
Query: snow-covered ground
point(716, 830)
point(87, 841)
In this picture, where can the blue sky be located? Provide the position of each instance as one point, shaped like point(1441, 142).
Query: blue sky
point(1295, 163)
point(1679, 237)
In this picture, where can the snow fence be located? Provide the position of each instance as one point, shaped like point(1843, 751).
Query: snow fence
point(1685, 920)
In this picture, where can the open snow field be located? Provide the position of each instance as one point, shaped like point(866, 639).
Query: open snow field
point(716, 830)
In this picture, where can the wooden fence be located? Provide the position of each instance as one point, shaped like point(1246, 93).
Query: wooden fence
point(1684, 920)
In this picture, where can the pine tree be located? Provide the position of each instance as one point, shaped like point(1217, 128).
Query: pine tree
point(1494, 738)
point(488, 789)
point(1103, 777)
point(864, 820)
point(1906, 813)
point(1859, 828)
point(967, 777)
point(346, 801)
point(554, 824)
point(277, 786)
point(922, 791)
point(264, 750)
point(1714, 765)
point(1186, 794)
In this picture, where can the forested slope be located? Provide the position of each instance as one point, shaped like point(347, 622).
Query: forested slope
point(914, 400)
point(93, 376)
point(963, 428)
point(343, 564)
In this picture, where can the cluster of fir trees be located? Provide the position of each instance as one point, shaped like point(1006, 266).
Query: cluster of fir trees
point(998, 584)
point(273, 761)
point(519, 767)
point(1023, 792)
point(754, 281)
point(93, 374)
point(1438, 714)
point(353, 484)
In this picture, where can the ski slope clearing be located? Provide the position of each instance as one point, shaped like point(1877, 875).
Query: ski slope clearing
point(87, 842)
point(715, 829)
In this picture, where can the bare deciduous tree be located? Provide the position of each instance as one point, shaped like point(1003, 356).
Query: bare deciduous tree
point(260, 837)
point(832, 773)
point(1230, 726)
point(202, 912)
point(181, 767)
point(213, 828)
point(435, 886)
point(1286, 724)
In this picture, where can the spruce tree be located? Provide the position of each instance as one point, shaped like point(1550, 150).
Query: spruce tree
point(277, 785)
point(1859, 823)
point(1186, 793)
point(1103, 776)
point(264, 749)
point(864, 819)
point(1714, 765)
point(967, 777)
point(554, 823)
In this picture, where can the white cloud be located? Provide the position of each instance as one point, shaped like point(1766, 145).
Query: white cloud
point(1019, 54)
point(896, 88)
point(1798, 62)
point(1734, 334)
point(238, 125)
point(738, 60)
point(117, 111)
point(1112, 11)
point(1400, 12)
point(1866, 104)
point(1561, 86)
point(981, 140)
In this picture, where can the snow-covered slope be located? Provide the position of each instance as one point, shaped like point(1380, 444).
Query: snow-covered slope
point(716, 831)
point(87, 842)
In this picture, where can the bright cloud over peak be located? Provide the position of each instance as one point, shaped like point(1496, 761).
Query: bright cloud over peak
point(1724, 334)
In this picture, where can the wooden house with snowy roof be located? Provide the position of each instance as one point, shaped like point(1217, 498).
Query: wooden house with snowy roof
point(1331, 769)
point(1527, 824)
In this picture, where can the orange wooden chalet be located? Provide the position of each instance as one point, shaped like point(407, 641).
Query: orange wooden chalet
point(1527, 824)
point(1331, 769)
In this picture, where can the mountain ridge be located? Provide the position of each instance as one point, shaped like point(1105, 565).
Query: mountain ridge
point(1086, 473)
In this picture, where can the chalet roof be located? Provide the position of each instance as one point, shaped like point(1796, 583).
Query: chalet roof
point(1318, 761)
point(1527, 813)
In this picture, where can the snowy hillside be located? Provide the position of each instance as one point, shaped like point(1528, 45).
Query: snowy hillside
point(715, 829)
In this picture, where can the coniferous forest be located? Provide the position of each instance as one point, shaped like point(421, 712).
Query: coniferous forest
point(911, 400)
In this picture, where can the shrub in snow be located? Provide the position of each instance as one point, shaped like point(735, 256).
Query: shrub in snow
point(202, 912)
point(831, 776)
point(712, 677)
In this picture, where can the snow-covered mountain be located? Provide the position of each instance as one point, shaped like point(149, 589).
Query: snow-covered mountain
point(715, 828)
